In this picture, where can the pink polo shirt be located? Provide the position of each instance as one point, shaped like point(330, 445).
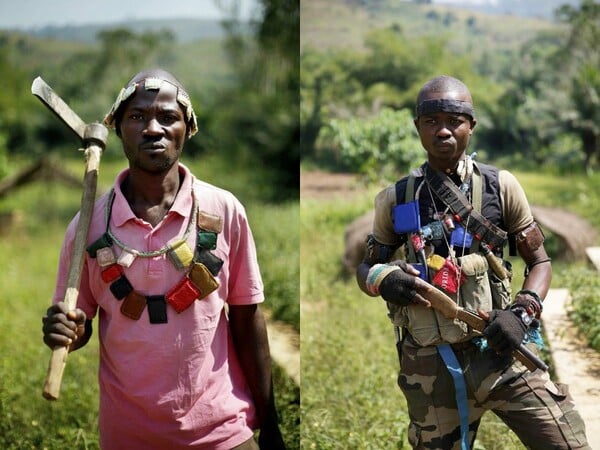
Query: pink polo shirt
point(178, 384)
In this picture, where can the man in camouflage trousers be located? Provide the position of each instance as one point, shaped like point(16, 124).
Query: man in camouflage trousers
point(450, 216)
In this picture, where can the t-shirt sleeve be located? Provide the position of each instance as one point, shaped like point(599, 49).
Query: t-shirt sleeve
point(383, 227)
point(85, 299)
point(245, 284)
point(515, 207)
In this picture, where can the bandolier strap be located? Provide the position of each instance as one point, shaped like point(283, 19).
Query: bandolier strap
point(481, 228)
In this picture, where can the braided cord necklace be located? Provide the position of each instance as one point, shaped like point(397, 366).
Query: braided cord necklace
point(200, 269)
point(150, 254)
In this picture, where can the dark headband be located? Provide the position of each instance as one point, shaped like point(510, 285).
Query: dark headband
point(445, 105)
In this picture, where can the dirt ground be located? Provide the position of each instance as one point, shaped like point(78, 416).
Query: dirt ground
point(323, 185)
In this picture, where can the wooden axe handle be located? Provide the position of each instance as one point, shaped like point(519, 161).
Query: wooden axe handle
point(58, 359)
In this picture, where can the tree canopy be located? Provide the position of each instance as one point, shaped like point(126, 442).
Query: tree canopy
point(252, 116)
point(537, 102)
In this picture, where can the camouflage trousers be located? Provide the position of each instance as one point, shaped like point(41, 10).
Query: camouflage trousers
point(539, 411)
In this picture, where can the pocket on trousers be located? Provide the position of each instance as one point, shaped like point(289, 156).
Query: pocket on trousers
point(571, 423)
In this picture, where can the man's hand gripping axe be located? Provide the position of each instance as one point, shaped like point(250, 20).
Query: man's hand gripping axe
point(93, 137)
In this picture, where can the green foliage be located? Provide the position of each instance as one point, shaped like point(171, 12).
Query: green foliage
point(379, 146)
point(279, 224)
point(526, 109)
point(582, 77)
point(246, 99)
point(262, 107)
point(584, 284)
point(16, 124)
point(3, 156)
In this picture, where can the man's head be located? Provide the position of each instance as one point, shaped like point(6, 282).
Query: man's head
point(156, 77)
point(153, 117)
point(445, 119)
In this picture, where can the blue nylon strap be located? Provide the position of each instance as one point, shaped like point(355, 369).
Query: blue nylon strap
point(460, 389)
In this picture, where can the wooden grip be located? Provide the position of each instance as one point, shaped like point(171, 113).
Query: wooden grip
point(56, 367)
point(58, 359)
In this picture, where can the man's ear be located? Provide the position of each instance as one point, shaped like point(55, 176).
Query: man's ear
point(473, 123)
point(416, 122)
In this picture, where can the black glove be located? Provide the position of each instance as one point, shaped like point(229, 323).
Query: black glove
point(505, 330)
point(398, 288)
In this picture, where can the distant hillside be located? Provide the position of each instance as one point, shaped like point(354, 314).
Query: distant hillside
point(529, 8)
point(184, 30)
point(345, 23)
point(201, 64)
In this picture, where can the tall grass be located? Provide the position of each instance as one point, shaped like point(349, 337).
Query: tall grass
point(28, 262)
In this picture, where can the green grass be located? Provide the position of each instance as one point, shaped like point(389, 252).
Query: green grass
point(350, 398)
point(28, 262)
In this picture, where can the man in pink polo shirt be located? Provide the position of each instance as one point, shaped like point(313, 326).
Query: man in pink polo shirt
point(171, 272)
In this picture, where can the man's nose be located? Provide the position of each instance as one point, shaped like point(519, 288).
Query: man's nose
point(153, 127)
point(443, 130)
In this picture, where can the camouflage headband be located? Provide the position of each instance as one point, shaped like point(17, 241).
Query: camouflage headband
point(154, 84)
point(445, 105)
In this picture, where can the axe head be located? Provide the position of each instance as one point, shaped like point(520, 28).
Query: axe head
point(48, 97)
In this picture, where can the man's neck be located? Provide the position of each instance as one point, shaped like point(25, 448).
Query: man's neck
point(150, 196)
point(448, 167)
point(151, 188)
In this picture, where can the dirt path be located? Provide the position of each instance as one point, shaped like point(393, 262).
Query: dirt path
point(576, 364)
point(284, 344)
point(324, 185)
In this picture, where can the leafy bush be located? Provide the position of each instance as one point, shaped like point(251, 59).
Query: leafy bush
point(584, 284)
point(3, 158)
point(377, 146)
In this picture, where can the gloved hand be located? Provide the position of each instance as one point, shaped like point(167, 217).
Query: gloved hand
point(505, 331)
point(398, 287)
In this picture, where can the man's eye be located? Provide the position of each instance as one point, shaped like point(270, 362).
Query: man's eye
point(136, 117)
point(169, 119)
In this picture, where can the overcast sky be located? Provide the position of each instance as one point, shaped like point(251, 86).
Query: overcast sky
point(39, 13)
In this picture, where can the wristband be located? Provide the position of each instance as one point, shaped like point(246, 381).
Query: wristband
point(537, 301)
point(376, 275)
point(521, 312)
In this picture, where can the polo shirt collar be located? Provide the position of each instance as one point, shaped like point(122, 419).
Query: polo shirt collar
point(122, 213)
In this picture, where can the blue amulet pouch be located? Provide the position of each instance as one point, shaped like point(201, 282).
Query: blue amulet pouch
point(406, 217)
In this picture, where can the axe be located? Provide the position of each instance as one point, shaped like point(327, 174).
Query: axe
point(93, 138)
point(450, 310)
